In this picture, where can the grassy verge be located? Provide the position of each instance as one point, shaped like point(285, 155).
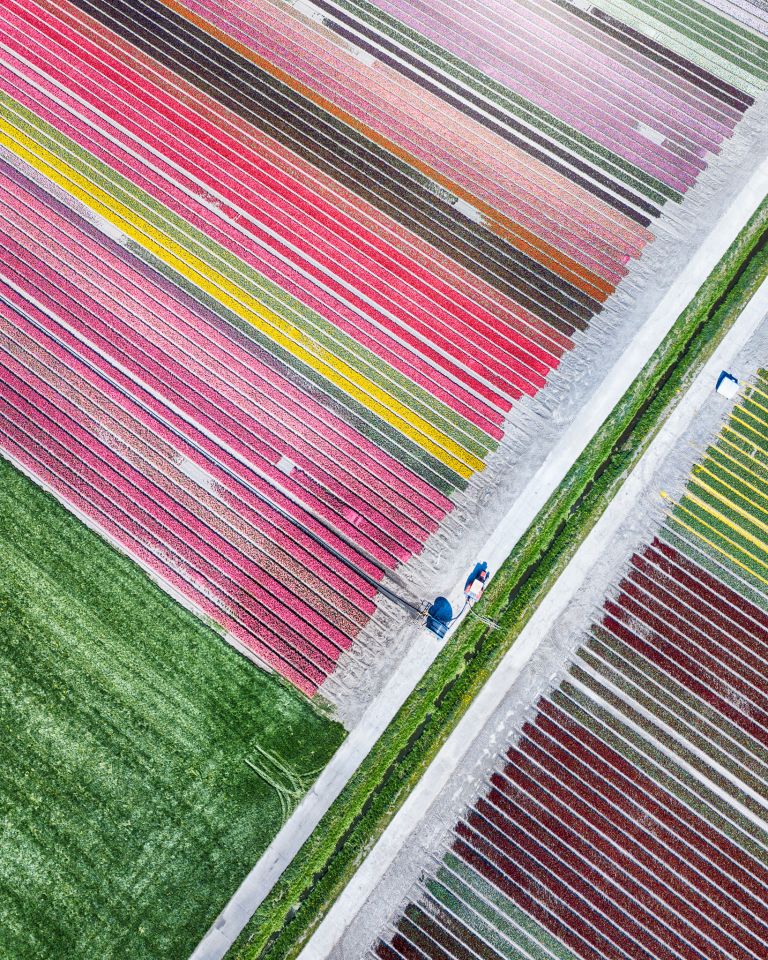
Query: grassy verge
point(298, 902)
point(128, 808)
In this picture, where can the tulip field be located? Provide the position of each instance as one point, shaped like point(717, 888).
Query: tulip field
point(276, 279)
point(629, 817)
point(274, 275)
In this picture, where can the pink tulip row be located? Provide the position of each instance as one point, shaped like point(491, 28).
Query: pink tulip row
point(287, 605)
point(501, 174)
point(621, 68)
point(259, 518)
point(197, 343)
point(317, 57)
point(292, 582)
point(46, 458)
point(317, 182)
point(102, 330)
point(343, 259)
point(677, 71)
point(218, 234)
point(35, 457)
point(158, 413)
point(208, 456)
point(119, 339)
point(251, 602)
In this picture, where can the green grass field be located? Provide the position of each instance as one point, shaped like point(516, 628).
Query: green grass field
point(129, 814)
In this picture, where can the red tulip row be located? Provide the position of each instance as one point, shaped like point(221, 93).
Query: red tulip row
point(626, 820)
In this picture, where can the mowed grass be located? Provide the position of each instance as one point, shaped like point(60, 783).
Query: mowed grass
point(128, 813)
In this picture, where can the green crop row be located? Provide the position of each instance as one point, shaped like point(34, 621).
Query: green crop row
point(503, 916)
point(703, 25)
point(725, 504)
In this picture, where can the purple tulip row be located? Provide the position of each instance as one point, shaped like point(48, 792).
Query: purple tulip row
point(599, 84)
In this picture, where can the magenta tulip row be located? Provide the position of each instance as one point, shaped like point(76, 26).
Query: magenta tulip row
point(304, 177)
point(265, 580)
point(415, 365)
